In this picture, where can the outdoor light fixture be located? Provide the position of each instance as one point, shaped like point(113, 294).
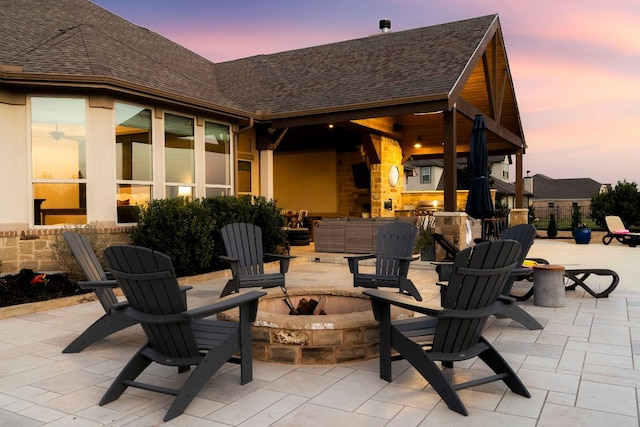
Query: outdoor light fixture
point(330, 125)
point(434, 203)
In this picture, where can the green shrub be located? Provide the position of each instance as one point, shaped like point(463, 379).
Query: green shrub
point(189, 231)
point(552, 230)
point(263, 213)
point(179, 228)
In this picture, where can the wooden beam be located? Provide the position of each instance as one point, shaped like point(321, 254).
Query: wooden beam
point(450, 161)
point(469, 111)
point(372, 147)
point(519, 180)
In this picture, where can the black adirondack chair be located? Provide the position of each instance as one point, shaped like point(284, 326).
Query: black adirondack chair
point(524, 234)
point(245, 254)
point(102, 284)
point(395, 243)
point(452, 333)
point(177, 337)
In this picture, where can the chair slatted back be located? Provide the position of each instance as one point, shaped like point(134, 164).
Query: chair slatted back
point(614, 223)
point(244, 242)
point(86, 258)
point(524, 234)
point(476, 281)
point(394, 240)
point(149, 282)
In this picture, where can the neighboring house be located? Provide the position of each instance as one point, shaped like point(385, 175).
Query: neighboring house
point(100, 115)
point(562, 193)
point(426, 176)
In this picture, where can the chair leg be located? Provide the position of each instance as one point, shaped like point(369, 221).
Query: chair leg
point(516, 313)
point(136, 365)
point(407, 285)
point(494, 360)
point(420, 360)
point(101, 328)
point(202, 373)
point(229, 288)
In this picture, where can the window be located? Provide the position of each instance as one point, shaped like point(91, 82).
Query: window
point(505, 171)
point(179, 155)
point(217, 157)
point(244, 177)
point(58, 160)
point(425, 174)
point(134, 159)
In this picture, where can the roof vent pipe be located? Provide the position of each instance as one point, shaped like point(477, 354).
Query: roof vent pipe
point(385, 25)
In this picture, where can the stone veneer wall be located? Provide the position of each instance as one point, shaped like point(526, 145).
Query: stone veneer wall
point(350, 198)
point(33, 248)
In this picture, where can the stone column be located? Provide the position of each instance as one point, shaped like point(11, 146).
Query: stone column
point(518, 216)
point(456, 227)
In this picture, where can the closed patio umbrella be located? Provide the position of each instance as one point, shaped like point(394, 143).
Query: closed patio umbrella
point(479, 203)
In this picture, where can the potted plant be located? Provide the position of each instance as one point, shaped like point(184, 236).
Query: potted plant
point(424, 244)
point(582, 234)
point(581, 231)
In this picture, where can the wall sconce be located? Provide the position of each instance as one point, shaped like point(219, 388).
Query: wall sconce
point(388, 205)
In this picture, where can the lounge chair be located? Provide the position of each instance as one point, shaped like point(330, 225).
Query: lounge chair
point(452, 333)
point(243, 243)
point(102, 284)
point(177, 337)
point(394, 249)
point(617, 230)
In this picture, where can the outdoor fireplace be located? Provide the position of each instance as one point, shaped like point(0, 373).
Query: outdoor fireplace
point(347, 333)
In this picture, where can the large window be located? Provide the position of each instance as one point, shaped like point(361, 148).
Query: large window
point(58, 160)
point(134, 159)
point(179, 155)
point(217, 159)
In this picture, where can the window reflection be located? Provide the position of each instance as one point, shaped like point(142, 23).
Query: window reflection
point(179, 149)
point(134, 160)
point(58, 160)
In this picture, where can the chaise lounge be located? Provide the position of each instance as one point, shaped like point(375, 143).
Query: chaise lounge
point(616, 230)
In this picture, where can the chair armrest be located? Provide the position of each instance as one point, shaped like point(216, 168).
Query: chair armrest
point(233, 264)
point(353, 261)
point(400, 300)
point(224, 304)
point(98, 284)
point(284, 261)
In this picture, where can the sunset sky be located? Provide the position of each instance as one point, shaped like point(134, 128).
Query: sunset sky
point(575, 64)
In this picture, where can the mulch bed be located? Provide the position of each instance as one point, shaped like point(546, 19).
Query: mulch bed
point(29, 286)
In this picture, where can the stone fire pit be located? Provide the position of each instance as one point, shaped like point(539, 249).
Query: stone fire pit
point(347, 333)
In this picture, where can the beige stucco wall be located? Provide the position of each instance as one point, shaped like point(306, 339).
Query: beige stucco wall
point(306, 181)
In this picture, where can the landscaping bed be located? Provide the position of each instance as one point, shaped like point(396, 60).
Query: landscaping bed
point(30, 286)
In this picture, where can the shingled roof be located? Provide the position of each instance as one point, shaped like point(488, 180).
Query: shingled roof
point(76, 42)
point(564, 189)
point(392, 68)
point(79, 42)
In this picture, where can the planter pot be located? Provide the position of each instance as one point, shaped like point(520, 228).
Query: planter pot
point(582, 236)
point(428, 253)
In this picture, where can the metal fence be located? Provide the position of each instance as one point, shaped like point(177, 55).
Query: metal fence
point(563, 217)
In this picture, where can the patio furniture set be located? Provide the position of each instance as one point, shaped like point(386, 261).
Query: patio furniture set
point(475, 285)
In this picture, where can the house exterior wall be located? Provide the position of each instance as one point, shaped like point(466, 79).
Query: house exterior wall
point(25, 244)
